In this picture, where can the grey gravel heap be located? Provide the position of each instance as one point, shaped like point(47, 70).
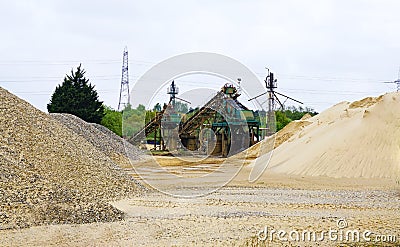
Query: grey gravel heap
point(102, 139)
point(51, 175)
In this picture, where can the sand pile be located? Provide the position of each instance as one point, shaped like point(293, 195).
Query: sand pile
point(277, 139)
point(49, 174)
point(360, 139)
point(102, 139)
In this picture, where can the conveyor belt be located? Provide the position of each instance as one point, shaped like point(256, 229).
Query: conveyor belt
point(206, 112)
point(190, 125)
point(148, 128)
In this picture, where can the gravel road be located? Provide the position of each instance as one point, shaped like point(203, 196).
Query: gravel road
point(231, 216)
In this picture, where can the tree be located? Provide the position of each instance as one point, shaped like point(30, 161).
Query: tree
point(281, 120)
point(180, 107)
point(291, 113)
point(295, 113)
point(157, 107)
point(133, 119)
point(112, 120)
point(78, 97)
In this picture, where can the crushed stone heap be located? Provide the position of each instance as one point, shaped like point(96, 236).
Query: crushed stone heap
point(51, 175)
point(103, 139)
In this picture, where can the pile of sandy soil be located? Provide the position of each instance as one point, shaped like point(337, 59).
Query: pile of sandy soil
point(49, 174)
point(102, 139)
point(349, 140)
point(277, 139)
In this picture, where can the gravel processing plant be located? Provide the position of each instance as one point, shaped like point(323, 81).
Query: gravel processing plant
point(67, 182)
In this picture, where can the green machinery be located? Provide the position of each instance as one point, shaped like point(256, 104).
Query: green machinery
point(222, 126)
point(227, 118)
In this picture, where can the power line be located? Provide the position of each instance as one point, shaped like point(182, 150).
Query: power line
point(296, 90)
point(305, 91)
point(151, 63)
point(51, 78)
point(69, 62)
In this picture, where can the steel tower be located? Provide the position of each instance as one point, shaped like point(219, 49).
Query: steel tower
point(124, 96)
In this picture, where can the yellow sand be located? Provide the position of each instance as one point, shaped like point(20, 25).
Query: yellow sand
point(361, 139)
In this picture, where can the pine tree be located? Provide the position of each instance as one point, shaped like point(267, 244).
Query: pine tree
point(78, 97)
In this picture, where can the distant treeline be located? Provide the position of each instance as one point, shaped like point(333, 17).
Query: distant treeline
point(283, 117)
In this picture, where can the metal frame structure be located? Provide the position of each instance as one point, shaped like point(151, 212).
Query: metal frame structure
point(210, 116)
point(124, 96)
point(271, 85)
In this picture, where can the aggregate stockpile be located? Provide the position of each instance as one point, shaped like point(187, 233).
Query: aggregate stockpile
point(50, 175)
point(116, 148)
point(359, 139)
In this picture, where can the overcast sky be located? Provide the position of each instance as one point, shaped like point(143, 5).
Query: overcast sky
point(322, 52)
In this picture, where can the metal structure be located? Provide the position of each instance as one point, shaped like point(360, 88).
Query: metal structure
point(234, 117)
point(223, 114)
point(167, 116)
point(397, 82)
point(271, 85)
point(151, 126)
point(124, 96)
point(173, 90)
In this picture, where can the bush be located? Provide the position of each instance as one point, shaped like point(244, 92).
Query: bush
point(112, 120)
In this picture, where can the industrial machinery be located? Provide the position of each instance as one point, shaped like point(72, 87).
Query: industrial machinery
point(209, 129)
point(223, 114)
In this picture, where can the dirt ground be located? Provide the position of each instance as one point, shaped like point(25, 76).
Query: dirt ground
point(237, 213)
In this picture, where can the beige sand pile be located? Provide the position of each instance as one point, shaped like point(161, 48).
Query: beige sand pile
point(49, 174)
point(361, 139)
point(277, 139)
point(306, 116)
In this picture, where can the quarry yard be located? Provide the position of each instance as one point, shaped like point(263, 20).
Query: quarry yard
point(231, 216)
point(200, 123)
point(65, 182)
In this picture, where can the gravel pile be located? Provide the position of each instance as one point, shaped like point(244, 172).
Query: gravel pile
point(51, 175)
point(104, 140)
